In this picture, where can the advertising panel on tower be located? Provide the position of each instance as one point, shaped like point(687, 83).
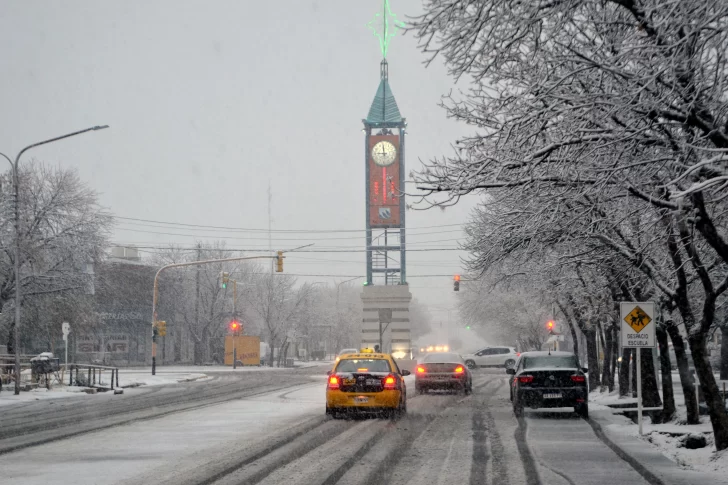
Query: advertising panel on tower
point(384, 197)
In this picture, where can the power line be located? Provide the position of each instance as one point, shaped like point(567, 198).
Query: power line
point(259, 250)
point(282, 239)
point(304, 231)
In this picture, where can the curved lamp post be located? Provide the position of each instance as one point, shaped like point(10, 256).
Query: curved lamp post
point(16, 210)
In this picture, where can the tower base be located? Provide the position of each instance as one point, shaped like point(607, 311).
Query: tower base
point(385, 319)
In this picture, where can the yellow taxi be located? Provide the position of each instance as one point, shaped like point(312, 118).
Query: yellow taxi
point(366, 382)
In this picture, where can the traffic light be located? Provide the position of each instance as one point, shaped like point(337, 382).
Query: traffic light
point(224, 279)
point(235, 326)
point(550, 325)
point(456, 282)
point(162, 328)
point(279, 262)
point(467, 327)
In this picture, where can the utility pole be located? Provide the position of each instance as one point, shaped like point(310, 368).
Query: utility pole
point(270, 240)
point(197, 291)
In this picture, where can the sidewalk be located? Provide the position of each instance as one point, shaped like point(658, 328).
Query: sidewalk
point(659, 453)
point(621, 434)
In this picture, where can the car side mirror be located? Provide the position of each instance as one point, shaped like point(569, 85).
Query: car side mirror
point(584, 370)
point(328, 372)
point(406, 373)
point(511, 371)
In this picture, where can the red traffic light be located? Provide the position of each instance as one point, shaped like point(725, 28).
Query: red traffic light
point(234, 326)
point(550, 324)
point(456, 277)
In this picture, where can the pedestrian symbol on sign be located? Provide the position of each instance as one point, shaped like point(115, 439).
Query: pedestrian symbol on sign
point(637, 319)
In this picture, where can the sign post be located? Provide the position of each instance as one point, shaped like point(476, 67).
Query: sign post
point(66, 328)
point(637, 333)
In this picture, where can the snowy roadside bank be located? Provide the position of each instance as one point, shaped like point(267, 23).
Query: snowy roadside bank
point(663, 445)
point(128, 378)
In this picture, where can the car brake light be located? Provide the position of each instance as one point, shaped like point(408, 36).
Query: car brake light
point(459, 369)
point(525, 379)
point(333, 382)
point(389, 382)
point(518, 354)
point(578, 378)
point(421, 370)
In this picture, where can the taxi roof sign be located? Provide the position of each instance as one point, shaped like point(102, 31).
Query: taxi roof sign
point(366, 350)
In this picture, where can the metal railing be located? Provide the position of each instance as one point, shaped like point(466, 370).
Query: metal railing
point(87, 375)
point(93, 374)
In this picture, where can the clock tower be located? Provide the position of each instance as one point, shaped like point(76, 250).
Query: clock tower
point(386, 295)
point(385, 201)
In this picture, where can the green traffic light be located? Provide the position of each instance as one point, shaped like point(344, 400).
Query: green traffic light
point(467, 327)
point(224, 285)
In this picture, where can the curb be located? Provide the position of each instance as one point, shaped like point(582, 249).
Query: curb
point(190, 379)
point(639, 467)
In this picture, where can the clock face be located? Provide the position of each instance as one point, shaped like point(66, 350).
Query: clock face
point(384, 153)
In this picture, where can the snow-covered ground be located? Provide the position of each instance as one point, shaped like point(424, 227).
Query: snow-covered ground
point(666, 437)
point(127, 378)
point(120, 453)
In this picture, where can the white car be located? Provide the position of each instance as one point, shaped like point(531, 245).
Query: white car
point(491, 357)
point(346, 351)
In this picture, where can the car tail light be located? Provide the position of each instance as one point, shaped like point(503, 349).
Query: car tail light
point(390, 382)
point(421, 370)
point(578, 378)
point(518, 354)
point(579, 400)
point(525, 379)
point(333, 382)
point(459, 369)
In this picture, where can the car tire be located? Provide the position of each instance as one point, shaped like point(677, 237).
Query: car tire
point(509, 363)
point(470, 364)
point(582, 409)
point(468, 389)
point(517, 409)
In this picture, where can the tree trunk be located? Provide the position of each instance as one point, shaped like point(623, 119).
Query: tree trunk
point(615, 355)
point(686, 380)
point(624, 372)
point(607, 376)
point(198, 352)
point(650, 393)
point(592, 357)
point(724, 352)
point(668, 395)
point(716, 407)
point(11, 338)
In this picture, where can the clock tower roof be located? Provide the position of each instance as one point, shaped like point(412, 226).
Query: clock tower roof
point(384, 107)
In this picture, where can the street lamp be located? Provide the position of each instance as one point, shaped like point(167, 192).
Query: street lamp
point(16, 204)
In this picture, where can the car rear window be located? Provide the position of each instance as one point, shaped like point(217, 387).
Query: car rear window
point(363, 365)
point(550, 361)
point(443, 357)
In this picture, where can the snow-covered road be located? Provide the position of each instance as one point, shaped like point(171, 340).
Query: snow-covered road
point(283, 437)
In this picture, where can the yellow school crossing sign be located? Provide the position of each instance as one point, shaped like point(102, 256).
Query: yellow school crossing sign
point(635, 318)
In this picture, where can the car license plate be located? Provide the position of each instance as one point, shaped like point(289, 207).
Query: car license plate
point(349, 382)
point(361, 399)
point(373, 382)
point(552, 395)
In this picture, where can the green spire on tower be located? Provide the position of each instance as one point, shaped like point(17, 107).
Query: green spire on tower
point(385, 25)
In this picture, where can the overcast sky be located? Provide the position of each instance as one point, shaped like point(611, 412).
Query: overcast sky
point(208, 101)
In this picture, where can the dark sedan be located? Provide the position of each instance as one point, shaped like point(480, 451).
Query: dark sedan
point(443, 370)
point(549, 380)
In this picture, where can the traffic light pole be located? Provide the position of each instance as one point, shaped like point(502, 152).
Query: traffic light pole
point(155, 295)
point(235, 334)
